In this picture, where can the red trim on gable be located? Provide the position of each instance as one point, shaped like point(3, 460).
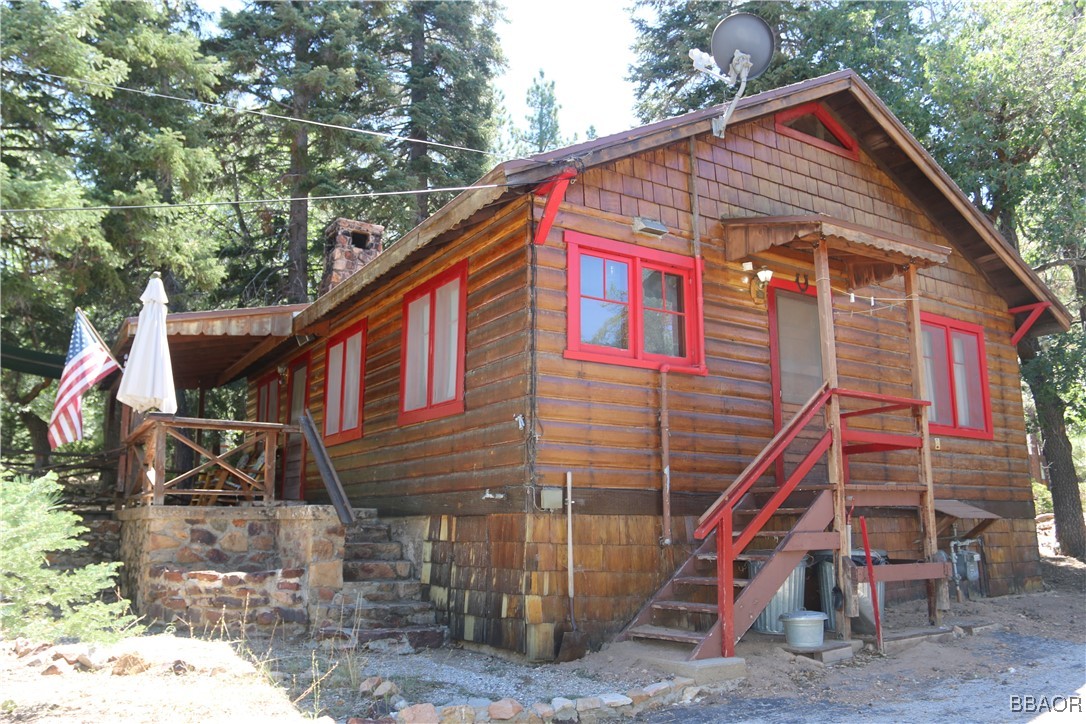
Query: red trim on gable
point(555, 190)
point(851, 148)
point(454, 406)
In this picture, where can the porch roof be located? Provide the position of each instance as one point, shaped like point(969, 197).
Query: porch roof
point(865, 255)
point(216, 347)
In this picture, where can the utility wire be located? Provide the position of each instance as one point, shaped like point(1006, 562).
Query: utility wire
point(265, 114)
point(193, 204)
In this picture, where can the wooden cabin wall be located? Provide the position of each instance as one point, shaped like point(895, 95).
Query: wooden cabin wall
point(601, 420)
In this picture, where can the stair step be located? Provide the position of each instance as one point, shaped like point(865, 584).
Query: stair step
point(376, 590)
point(376, 570)
point(661, 633)
point(419, 637)
point(687, 607)
point(766, 533)
point(778, 511)
point(374, 551)
point(376, 615)
point(708, 581)
point(368, 532)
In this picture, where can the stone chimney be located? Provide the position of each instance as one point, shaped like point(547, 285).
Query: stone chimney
point(348, 246)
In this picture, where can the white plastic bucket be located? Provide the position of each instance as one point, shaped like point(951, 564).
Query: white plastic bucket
point(803, 629)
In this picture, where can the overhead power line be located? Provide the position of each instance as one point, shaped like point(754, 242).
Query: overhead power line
point(194, 204)
point(264, 114)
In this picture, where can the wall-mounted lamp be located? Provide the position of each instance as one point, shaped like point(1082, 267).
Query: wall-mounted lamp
point(643, 225)
point(759, 283)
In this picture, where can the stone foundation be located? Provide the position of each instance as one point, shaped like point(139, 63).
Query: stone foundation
point(261, 570)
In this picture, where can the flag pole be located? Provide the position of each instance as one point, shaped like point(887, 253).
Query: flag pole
point(97, 336)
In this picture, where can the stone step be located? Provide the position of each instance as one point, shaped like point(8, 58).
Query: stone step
point(368, 532)
point(417, 637)
point(376, 570)
point(365, 513)
point(389, 614)
point(374, 551)
point(379, 590)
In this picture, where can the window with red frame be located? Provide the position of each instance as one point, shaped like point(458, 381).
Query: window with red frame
point(632, 306)
point(956, 372)
point(267, 399)
point(344, 374)
point(432, 356)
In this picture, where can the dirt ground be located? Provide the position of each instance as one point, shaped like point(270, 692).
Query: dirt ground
point(1037, 641)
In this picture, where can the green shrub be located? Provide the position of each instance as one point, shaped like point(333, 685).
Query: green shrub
point(42, 603)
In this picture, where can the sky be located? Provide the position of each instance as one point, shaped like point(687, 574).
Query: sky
point(584, 47)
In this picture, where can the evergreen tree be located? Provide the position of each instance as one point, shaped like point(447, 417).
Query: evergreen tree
point(320, 62)
point(445, 55)
point(543, 132)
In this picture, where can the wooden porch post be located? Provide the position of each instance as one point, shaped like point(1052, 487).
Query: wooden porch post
point(938, 594)
point(158, 445)
point(835, 459)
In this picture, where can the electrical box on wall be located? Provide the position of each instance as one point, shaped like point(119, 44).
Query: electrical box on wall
point(550, 498)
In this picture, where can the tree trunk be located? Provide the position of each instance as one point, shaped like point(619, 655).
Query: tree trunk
point(1066, 503)
point(39, 438)
point(298, 221)
point(417, 158)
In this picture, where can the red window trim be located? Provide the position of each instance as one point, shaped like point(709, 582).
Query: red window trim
point(851, 148)
point(690, 268)
point(455, 405)
point(260, 384)
point(305, 359)
point(976, 330)
point(353, 433)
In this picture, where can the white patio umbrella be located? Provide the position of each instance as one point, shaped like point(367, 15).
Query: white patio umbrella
point(148, 376)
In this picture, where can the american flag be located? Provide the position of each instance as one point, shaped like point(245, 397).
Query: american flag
point(88, 362)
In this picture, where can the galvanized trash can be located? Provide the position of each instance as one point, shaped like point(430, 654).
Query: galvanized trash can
point(803, 629)
point(865, 623)
point(788, 598)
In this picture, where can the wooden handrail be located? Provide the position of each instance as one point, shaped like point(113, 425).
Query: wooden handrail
point(764, 459)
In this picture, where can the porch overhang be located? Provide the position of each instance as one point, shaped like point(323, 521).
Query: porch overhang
point(213, 348)
point(861, 254)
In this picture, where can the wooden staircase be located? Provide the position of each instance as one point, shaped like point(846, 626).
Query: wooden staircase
point(714, 598)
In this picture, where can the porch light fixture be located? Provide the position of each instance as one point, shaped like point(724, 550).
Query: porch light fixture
point(759, 283)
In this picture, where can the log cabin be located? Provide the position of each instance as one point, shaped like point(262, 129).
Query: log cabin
point(699, 351)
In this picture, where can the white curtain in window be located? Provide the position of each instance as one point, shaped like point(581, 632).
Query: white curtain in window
point(352, 379)
point(446, 340)
point(418, 346)
point(968, 396)
point(334, 384)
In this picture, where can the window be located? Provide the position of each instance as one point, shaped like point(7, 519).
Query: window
point(267, 399)
point(956, 374)
point(813, 124)
point(344, 373)
point(432, 358)
point(633, 306)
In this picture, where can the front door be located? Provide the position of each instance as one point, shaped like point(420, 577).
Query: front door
point(294, 447)
point(796, 362)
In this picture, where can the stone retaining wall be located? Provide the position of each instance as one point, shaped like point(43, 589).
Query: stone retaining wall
point(263, 569)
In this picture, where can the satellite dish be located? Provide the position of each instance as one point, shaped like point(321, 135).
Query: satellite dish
point(749, 35)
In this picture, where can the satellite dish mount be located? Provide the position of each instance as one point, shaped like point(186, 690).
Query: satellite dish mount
point(745, 43)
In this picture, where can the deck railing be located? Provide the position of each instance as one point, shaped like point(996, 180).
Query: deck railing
point(245, 472)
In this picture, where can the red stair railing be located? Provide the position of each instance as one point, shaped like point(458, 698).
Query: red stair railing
point(719, 516)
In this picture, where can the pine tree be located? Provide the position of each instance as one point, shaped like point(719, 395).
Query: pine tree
point(320, 62)
point(543, 132)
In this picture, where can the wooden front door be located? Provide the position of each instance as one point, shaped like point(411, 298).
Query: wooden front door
point(796, 361)
point(294, 446)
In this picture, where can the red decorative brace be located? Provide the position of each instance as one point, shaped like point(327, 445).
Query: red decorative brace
point(1035, 311)
point(555, 190)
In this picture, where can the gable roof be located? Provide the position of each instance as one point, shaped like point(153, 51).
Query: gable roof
point(878, 131)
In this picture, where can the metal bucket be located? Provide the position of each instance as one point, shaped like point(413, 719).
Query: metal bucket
point(803, 629)
point(788, 598)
